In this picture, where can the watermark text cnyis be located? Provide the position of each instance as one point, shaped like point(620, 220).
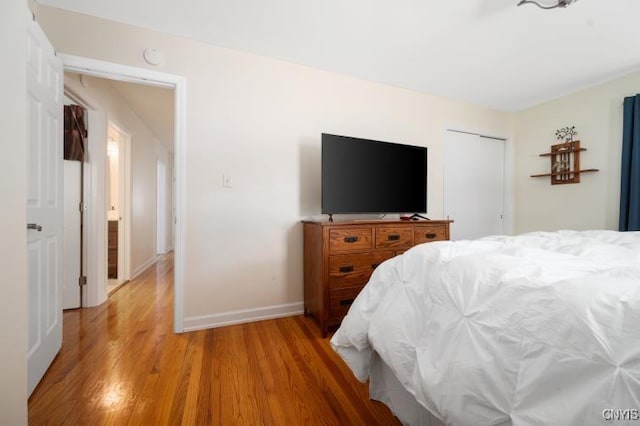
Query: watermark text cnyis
point(621, 414)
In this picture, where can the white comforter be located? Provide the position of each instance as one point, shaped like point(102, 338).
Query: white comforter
point(537, 329)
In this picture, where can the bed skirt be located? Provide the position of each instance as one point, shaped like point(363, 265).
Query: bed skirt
point(386, 388)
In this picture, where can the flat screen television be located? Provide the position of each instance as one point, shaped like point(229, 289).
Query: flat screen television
point(368, 176)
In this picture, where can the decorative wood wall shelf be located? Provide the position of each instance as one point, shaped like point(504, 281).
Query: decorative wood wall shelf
point(565, 163)
point(566, 173)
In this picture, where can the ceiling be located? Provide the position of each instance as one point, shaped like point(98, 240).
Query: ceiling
point(487, 52)
point(153, 105)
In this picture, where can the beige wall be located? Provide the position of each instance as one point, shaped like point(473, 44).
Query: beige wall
point(594, 203)
point(260, 120)
point(13, 287)
point(163, 155)
point(143, 163)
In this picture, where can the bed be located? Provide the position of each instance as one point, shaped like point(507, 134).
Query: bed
point(541, 328)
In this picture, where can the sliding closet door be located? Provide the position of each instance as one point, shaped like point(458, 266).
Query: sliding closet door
point(473, 185)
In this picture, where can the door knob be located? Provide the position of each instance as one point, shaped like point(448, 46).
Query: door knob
point(34, 226)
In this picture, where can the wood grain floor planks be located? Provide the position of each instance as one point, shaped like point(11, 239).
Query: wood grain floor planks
point(122, 364)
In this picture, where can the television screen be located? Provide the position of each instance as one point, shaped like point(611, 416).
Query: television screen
point(367, 176)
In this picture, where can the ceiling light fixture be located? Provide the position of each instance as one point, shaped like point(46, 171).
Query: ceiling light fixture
point(561, 3)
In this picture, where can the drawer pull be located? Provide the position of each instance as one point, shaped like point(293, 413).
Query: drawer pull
point(346, 269)
point(393, 237)
point(374, 265)
point(350, 239)
point(346, 302)
point(430, 235)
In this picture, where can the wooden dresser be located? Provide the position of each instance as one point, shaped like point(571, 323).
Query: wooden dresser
point(339, 258)
point(112, 249)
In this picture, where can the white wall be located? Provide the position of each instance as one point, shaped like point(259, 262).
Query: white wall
point(260, 120)
point(13, 284)
point(594, 202)
point(143, 163)
point(171, 198)
point(163, 155)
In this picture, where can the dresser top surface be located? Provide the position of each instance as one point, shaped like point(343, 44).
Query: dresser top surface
point(377, 222)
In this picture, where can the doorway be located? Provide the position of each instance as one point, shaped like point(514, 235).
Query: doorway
point(123, 233)
point(118, 207)
point(147, 77)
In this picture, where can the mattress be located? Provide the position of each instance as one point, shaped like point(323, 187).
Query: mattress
point(541, 328)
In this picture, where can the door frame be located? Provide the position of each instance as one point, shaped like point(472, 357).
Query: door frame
point(130, 74)
point(509, 159)
point(124, 199)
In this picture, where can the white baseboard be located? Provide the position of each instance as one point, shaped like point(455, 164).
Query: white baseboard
point(140, 269)
point(242, 316)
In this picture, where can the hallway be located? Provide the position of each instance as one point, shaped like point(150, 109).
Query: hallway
point(121, 363)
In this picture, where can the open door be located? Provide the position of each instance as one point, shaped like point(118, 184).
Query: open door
point(72, 234)
point(44, 203)
point(75, 132)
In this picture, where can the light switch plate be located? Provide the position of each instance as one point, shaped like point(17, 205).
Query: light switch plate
point(226, 181)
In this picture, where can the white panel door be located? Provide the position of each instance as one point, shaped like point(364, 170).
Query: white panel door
point(473, 185)
point(72, 196)
point(44, 203)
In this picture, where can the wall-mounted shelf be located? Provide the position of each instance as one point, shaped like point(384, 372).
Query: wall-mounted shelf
point(548, 154)
point(566, 173)
point(565, 163)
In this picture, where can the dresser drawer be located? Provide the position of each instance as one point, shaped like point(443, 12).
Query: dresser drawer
point(112, 255)
point(341, 300)
point(349, 239)
point(394, 237)
point(339, 258)
point(346, 270)
point(112, 235)
point(429, 233)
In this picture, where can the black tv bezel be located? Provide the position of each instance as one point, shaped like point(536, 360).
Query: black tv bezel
point(426, 182)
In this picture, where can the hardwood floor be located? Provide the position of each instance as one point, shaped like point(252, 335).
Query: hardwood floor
point(121, 363)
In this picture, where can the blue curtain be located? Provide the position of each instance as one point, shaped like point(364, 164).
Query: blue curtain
point(630, 185)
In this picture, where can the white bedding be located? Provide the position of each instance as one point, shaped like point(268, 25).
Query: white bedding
point(542, 328)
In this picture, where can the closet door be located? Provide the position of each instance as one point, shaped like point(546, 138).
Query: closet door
point(474, 185)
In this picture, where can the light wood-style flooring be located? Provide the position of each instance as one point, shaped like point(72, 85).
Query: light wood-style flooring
point(121, 363)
